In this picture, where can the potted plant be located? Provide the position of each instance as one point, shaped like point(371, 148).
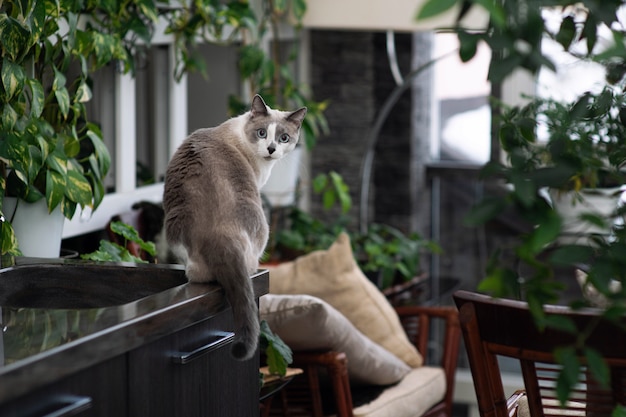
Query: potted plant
point(584, 145)
point(389, 257)
point(580, 158)
point(50, 150)
point(294, 232)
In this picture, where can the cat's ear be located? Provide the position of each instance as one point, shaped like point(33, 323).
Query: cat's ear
point(258, 106)
point(297, 116)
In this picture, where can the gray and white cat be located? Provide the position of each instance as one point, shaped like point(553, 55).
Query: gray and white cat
point(214, 220)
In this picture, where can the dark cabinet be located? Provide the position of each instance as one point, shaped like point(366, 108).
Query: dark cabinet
point(163, 355)
point(100, 391)
point(191, 373)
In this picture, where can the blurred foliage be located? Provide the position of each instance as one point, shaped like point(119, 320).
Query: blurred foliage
point(584, 148)
point(50, 148)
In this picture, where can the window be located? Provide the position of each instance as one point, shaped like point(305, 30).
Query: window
point(461, 94)
point(143, 120)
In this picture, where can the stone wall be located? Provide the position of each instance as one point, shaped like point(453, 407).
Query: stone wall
point(351, 70)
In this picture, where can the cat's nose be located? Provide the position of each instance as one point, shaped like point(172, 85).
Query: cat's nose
point(271, 149)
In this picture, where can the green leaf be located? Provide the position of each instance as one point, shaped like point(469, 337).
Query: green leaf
point(37, 97)
point(9, 117)
point(128, 232)
point(468, 45)
point(101, 151)
point(59, 80)
point(78, 188)
point(98, 191)
point(251, 58)
point(13, 78)
point(319, 183)
point(38, 19)
point(569, 255)
point(280, 5)
point(298, 8)
point(590, 32)
point(499, 69)
point(111, 252)
point(619, 411)
point(71, 146)
point(68, 208)
point(149, 9)
point(567, 32)
point(341, 190)
point(63, 100)
point(485, 210)
point(598, 366)
point(279, 355)
point(500, 282)
point(568, 377)
point(434, 8)
point(83, 93)
point(561, 323)
point(9, 241)
point(55, 189)
point(524, 190)
point(104, 47)
point(13, 36)
point(545, 233)
point(57, 161)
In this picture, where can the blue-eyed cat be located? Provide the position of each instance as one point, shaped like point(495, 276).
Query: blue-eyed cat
point(214, 219)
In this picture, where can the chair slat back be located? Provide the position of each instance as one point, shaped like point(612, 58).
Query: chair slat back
point(497, 327)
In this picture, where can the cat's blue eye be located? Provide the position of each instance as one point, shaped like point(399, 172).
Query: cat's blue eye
point(284, 138)
point(261, 133)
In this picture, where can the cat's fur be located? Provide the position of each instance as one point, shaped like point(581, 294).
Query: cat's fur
point(214, 218)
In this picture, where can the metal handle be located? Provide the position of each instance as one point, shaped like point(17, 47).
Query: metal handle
point(70, 406)
point(217, 340)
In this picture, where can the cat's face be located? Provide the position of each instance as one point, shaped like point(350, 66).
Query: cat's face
point(273, 133)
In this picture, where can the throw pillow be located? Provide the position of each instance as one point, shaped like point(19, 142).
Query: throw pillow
point(308, 323)
point(334, 276)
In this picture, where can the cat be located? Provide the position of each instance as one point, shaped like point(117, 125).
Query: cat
point(214, 219)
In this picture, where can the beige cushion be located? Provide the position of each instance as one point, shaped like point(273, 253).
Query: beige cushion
point(305, 322)
point(418, 391)
point(334, 276)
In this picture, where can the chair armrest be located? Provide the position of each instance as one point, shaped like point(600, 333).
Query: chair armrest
point(417, 322)
point(336, 364)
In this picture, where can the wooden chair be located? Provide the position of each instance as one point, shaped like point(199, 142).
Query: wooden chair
point(305, 398)
point(497, 327)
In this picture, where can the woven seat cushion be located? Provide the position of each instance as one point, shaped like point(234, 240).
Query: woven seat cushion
point(416, 393)
point(552, 407)
point(308, 323)
point(334, 276)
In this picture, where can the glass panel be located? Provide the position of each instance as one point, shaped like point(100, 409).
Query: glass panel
point(153, 79)
point(461, 95)
point(207, 98)
point(573, 76)
point(101, 110)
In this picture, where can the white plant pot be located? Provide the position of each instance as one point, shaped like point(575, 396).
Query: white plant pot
point(601, 202)
point(280, 188)
point(38, 232)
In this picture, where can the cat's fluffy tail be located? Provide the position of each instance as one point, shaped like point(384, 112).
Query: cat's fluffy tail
point(232, 273)
point(240, 294)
